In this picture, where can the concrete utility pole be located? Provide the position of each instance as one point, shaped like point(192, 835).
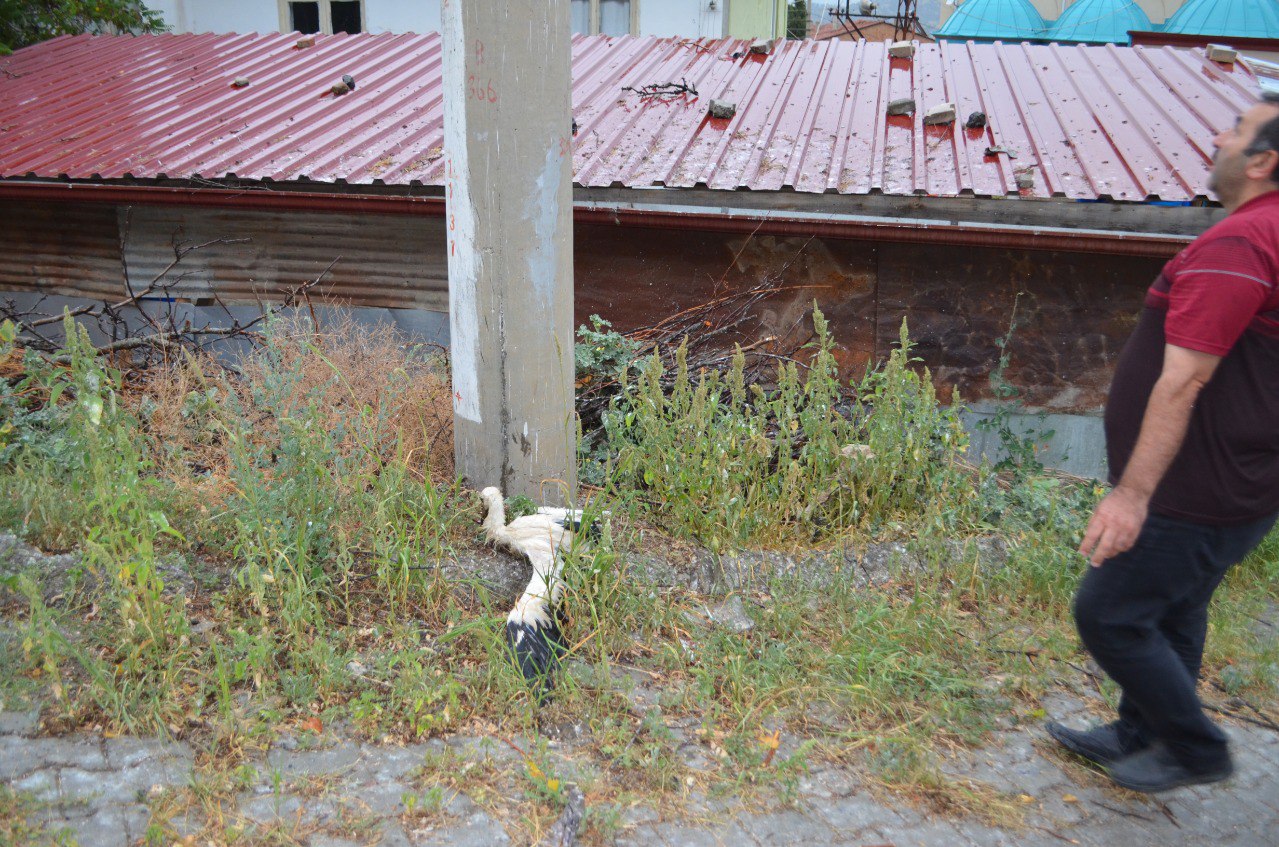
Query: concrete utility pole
point(508, 145)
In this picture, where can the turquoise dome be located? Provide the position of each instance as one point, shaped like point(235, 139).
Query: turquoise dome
point(993, 20)
point(1098, 22)
point(1241, 18)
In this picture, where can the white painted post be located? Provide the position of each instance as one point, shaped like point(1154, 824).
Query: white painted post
point(508, 146)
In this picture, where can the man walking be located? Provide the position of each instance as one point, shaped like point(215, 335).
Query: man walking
point(1192, 436)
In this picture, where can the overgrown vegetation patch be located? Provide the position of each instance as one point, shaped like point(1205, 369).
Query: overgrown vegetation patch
point(281, 547)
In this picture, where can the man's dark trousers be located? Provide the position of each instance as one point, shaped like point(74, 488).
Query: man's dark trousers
point(1144, 615)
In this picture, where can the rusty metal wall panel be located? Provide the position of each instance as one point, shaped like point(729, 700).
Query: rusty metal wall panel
point(635, 278)
point(1070, 315)
point(1128, 123)
point(384, 261)
point(60, 249)
point(1073, 312)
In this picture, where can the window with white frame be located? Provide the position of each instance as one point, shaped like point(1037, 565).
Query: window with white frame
point(327, 16)
point(603, 17)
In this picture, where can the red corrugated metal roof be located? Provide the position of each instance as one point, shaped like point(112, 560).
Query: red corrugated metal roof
point(1129, 123)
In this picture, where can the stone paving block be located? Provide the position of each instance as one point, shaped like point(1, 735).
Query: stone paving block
point(978, 835)
point(1057, 811)
point(81, 751)
point(476, 830)
point(393, 762)
point(321, 839)
point(932, 834)
point(1035, 777)
point(103, 786)
point(638, 815)
point(393, 836)
point(786, 827)
point(381, 798)
point(111, 827)
point(742, 832)
point(187, 824)
point(166, 773)
point(270, 808)
point(128, 752)
point(1120, 830)
point(634, 839)
point(41, 785)
point(336, 759)
point(683, 835)
point(15, 757)
point(828, 782)
point(856, 814)
point(19, 723)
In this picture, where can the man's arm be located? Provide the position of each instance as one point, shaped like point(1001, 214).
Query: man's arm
point(1118, 519)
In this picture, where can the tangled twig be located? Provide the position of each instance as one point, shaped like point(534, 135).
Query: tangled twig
point(664, 90)
point(158, 334)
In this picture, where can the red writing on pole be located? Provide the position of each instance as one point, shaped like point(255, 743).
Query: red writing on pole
point(484, 92)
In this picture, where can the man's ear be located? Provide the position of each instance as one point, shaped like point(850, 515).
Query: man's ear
point(1261, 166)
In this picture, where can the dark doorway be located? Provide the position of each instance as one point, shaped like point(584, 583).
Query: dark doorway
point(305, 17)
point(346, 16)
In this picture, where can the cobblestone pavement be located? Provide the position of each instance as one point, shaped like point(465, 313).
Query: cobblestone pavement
point(103, 792)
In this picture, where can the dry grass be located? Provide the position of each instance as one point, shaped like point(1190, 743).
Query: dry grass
point(343, 370)
point(347, 369)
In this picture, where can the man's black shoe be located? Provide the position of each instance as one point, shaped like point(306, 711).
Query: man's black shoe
point(1155, 769)
point(1101, 746)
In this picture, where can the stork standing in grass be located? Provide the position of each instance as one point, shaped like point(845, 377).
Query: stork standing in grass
point(532, 631)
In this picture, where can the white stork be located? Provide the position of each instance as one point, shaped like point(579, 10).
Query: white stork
point(532, 630)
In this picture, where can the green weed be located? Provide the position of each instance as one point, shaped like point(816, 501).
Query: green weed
point(728, 465)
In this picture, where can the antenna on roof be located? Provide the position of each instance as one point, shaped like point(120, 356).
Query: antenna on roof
point(852, 12)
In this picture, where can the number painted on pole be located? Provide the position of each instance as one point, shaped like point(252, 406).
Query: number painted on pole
point(485, 92)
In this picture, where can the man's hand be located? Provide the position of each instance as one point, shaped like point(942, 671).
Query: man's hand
point(1115, 525)
point(1119, 517)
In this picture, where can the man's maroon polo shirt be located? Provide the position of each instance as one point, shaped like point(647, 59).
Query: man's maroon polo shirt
point(1221, 296)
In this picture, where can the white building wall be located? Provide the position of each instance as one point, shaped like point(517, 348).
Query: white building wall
point(402, 16)
point(683, 18)
point(233, 16)
point(219, 15)
point(172, 12)
point(264, 15)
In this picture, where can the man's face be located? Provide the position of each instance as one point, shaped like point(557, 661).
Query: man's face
point(1230, 163)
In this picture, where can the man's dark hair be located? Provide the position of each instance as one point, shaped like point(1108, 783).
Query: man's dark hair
point(1267, 137)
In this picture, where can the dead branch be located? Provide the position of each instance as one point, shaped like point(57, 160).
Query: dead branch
point(663, 90)
point(161, 336)
point(709, 329)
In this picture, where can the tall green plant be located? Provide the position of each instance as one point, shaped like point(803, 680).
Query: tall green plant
point(732, 465)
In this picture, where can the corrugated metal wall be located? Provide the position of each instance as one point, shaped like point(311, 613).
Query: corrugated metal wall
point(71, 249)
point(1071, 311)
point(75, 250)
